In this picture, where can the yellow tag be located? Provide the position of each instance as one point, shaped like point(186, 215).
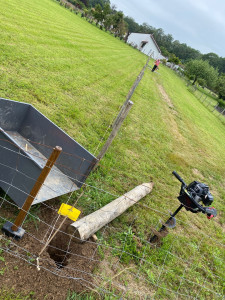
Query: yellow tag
point(69, 211)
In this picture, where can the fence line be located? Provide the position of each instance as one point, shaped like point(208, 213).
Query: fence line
point(91, 187)
point(56, 272)
point(149, 272)
point(123, 251)
point(208, 102)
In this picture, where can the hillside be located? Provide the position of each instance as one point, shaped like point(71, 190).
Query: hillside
point(78, 76)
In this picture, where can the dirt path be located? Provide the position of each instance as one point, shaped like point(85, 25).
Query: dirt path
point(164, 95)
point(171, 113)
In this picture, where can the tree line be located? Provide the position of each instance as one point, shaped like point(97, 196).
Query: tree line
point(208, 70)
point(102, 13)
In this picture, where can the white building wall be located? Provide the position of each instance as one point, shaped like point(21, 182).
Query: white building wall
point(136, 39)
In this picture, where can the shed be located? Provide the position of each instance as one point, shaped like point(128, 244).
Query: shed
point(146, 44)
point(27, 138)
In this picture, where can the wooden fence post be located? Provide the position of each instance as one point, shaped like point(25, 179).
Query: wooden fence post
point(221, 113)
point(88, 225)
point(204, 99)
point(14, 229)
point(131, 91)
point(209, 103)
point(114, 132)
point(215, 107)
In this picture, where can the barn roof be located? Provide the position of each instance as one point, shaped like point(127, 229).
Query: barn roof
point(151, 35)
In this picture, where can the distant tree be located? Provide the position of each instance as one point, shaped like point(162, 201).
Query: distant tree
point(113, 8)
point(215, 61)
point(108, 22)
point(123, 29)
point(184, 52)
point(98, 13)
point(174, 59)
point(212, 58)
point(120, 27)
point(132, 25)
point(85, 2)
point(146, 28)
point(106, 9)
point(222, 65)
point(167, 42)
point(202, 82)
point(77, 3)
point(201, 69)
point(164, 51)
point(102, 3)
point(107, 17)
point(158, 35)
point(86, 11)
point(220, 87)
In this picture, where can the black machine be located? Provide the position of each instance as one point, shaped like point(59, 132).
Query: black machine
point(191, 197)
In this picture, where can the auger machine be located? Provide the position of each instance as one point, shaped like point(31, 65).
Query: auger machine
point(195, 198)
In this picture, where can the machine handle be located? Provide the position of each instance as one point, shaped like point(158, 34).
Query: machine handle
point(179, 178)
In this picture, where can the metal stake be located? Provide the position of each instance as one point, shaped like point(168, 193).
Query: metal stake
point(11, 229)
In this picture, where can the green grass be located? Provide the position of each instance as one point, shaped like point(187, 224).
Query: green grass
point(78, 76)
point(6, 294)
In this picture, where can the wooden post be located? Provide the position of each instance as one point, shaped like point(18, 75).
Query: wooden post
point(90, 224)
point(221, 113)
point(215, 107)
point(129, 95)
point(131, 91)
point(37, 186)
point(204, 99)
point(114, 132)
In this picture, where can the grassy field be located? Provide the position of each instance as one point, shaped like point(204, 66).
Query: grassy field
point(78, 76)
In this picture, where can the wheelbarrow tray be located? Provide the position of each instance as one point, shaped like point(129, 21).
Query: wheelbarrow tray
point(27, 139)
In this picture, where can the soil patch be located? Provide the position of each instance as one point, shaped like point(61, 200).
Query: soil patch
point(64, 265)
point(197, 173)
point(170, 117)
point(165, 96)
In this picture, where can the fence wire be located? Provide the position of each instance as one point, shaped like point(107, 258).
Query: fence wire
point(127, 265)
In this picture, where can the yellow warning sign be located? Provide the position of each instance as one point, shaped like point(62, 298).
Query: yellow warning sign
point(69, 211)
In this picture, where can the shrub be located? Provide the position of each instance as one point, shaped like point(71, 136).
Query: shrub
point(221, 103)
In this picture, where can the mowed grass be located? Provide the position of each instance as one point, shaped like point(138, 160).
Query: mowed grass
point(78, 76)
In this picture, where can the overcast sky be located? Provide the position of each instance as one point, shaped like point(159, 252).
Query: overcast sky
point(198, 23)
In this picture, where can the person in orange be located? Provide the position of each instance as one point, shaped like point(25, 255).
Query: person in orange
point(156, 65)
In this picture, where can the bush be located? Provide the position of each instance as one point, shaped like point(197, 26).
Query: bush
point(202, 82)
point(221, 103)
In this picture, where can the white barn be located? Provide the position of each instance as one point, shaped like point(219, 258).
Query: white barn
point(146, 44)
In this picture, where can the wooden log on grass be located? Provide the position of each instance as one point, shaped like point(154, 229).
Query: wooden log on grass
point(87, 226)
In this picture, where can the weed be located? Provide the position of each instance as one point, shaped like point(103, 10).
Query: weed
point(128, 248)
point(6, 294)
point(2, 258)
point(2, 271)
